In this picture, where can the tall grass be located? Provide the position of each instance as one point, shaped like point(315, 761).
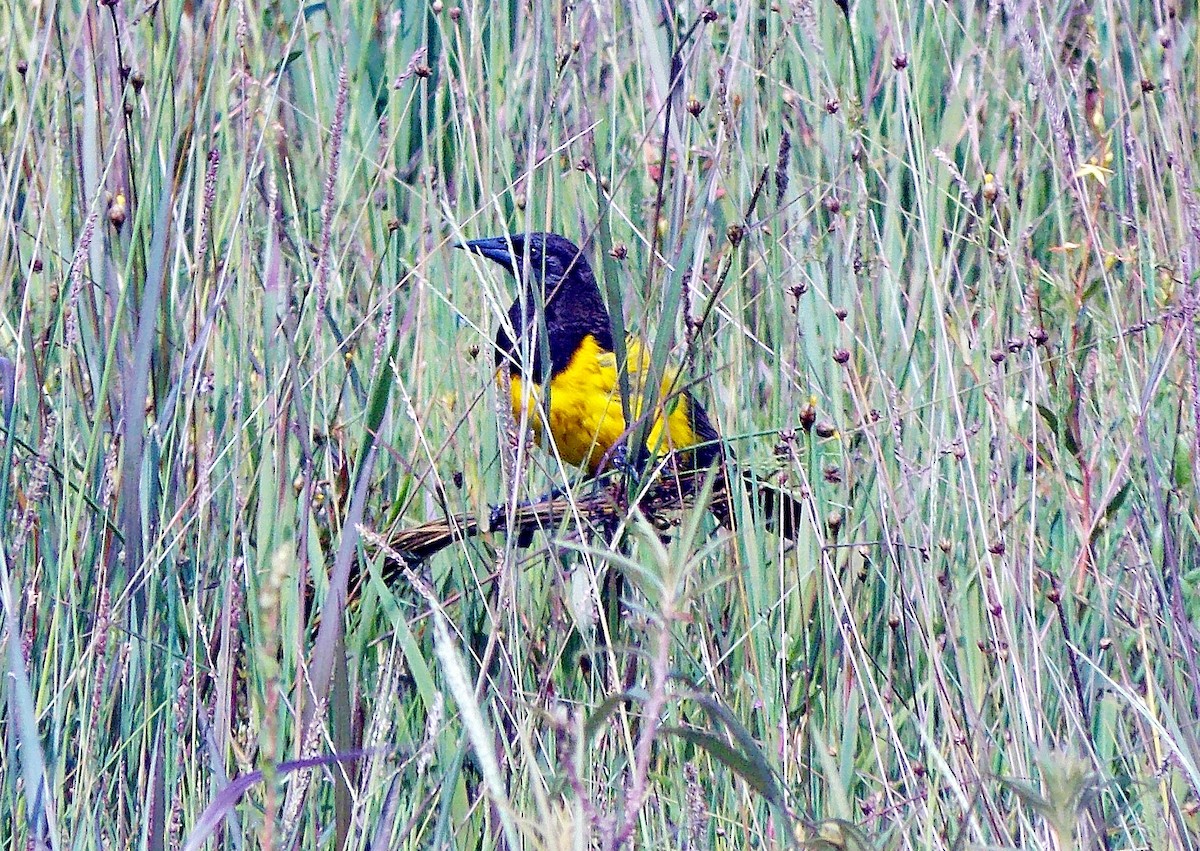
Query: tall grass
point(931, 266)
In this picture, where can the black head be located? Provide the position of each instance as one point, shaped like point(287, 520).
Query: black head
point(573, 306)
point(552, 258)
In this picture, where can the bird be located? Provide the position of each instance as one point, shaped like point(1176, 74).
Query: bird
point(577, 363)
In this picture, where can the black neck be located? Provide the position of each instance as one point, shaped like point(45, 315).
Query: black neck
point(574, 311)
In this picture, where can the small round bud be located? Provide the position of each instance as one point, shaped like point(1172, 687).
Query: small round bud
point(841, 356)
point(832, 105)
point(808, 416)
point(826, 429)
point(900, 61)
point(991, 191)
point(1038, 335)
point(22, 67)
point(455, 13)
point(117, 211)
point(694, 106)
point(619, 251)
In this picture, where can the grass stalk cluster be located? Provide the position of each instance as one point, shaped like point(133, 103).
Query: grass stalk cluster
point(931, 266)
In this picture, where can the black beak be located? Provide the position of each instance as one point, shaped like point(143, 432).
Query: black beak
point(494, 248)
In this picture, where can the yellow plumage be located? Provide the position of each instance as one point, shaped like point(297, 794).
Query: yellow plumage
point(585, 415)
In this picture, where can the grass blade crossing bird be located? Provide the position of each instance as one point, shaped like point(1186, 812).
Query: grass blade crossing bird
point(576, 362)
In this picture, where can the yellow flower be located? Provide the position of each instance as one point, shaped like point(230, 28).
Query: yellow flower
point(1095, 171)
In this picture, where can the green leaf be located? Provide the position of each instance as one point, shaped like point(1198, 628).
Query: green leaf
point(1114, 504)
point(746, 740)
point(592, 726)
point(1050, 417)
point(1182, 472)
point(747, 766)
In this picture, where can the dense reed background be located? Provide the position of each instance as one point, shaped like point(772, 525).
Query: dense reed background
point(932, 266)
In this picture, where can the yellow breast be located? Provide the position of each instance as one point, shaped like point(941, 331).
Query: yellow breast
point(585, 416)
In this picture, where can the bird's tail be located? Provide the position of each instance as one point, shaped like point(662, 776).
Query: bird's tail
point(782, 510)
